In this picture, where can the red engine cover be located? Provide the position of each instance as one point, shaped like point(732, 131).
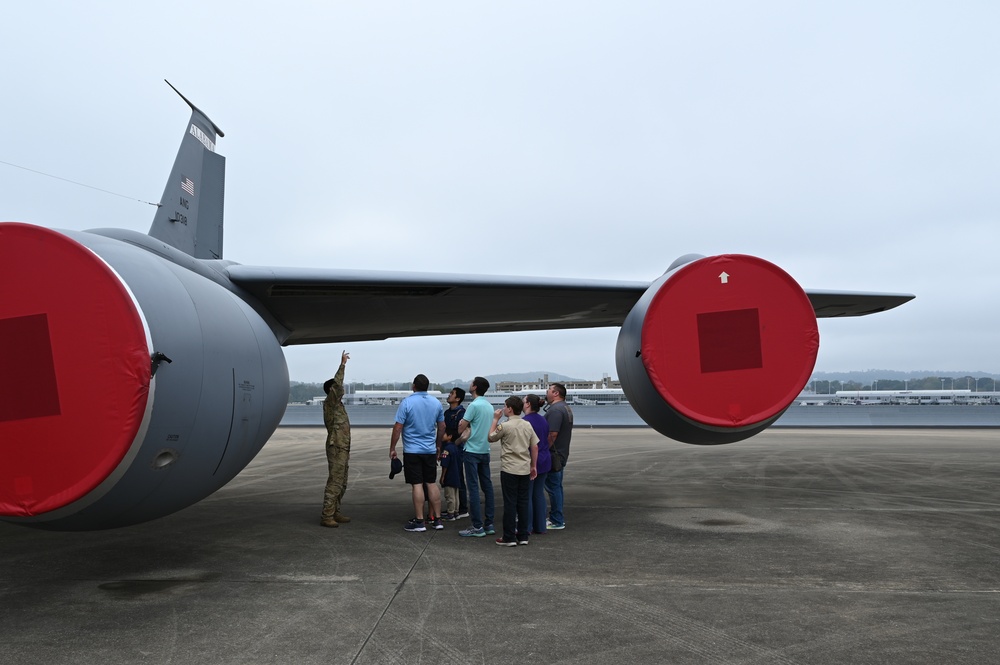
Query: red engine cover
point(729, 341)
point(74, 370)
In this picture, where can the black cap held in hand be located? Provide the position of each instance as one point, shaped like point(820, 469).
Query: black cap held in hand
point(397, 466)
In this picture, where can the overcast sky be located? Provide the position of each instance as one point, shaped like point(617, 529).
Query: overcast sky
point(855, 144)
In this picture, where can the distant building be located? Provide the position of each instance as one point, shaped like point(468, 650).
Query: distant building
point(914, 397)
point(539, 385)
point(604, 391)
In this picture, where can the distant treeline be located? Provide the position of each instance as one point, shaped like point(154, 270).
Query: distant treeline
point(981, 384)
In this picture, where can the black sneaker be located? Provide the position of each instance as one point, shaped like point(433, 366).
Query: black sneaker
point(415, 525)
point(437, 524)
point(522, 542)
point(462, 514)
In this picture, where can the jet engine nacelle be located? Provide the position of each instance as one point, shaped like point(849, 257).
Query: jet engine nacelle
point(133, 386)
point(717, 348)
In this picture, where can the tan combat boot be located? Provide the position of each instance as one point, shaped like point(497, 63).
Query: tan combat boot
point(328, 521)
point(341, 519)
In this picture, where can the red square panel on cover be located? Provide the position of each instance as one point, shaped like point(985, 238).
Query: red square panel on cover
point(729, 340)
point(27, 373)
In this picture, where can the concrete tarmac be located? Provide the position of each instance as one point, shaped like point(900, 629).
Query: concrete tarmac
point(797, 546)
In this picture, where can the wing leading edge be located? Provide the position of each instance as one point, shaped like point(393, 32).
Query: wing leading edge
point(320, 306)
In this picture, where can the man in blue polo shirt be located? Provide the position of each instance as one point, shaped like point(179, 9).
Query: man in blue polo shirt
point(479, 417)
point(420, 421)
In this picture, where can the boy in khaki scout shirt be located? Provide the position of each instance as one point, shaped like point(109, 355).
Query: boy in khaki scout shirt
point(518, 460)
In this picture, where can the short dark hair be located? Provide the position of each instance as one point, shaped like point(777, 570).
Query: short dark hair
point(481, 384)
point(535, 401)
point(560, 388)
point(515, 404)
point(327, 386)
point(421, 383)
point(459, 393)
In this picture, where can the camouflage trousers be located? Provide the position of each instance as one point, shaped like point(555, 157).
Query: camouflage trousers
point(336, 457)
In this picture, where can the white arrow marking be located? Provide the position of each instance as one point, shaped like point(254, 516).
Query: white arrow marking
point(724, 277)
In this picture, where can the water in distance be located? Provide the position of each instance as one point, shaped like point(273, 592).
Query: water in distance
point(622, 415)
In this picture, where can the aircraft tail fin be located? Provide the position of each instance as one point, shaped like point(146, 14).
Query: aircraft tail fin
point(191, 209)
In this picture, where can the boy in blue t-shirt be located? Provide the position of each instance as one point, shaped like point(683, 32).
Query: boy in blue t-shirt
point(452, 416)
point(450, 480)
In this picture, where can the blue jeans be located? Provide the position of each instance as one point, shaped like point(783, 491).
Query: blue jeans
point(536, 504)
point(463, 493)
point(553, 485)
point(477, 475)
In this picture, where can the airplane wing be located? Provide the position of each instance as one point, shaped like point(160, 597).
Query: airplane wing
point(344, 305)
point(828, 304)
point(320, 306)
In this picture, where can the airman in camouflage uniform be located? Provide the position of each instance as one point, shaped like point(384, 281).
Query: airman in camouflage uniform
point(338, 447)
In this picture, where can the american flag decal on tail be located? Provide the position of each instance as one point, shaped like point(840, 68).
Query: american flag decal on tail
point(187, 184)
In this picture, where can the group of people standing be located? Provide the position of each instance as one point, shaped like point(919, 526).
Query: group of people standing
point(534, 446)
